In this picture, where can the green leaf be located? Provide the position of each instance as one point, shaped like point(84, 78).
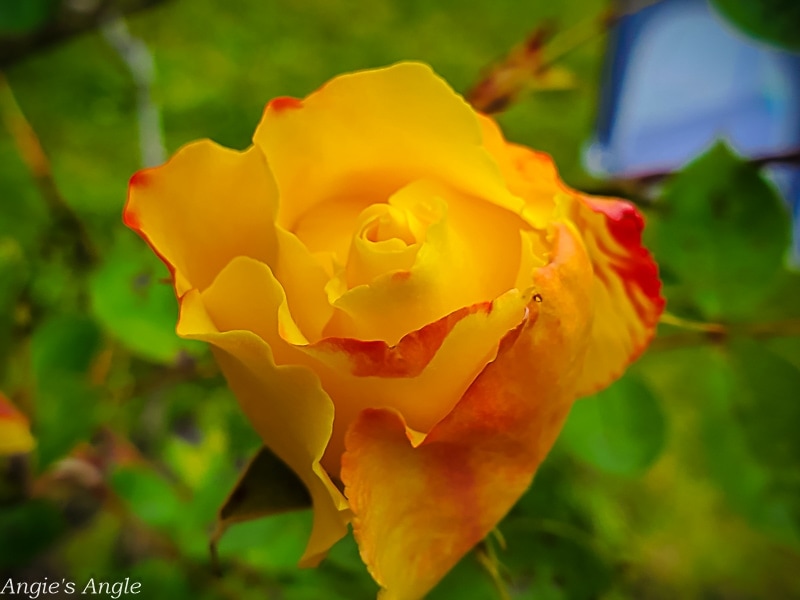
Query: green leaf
point(737, 425)
point(774, 21)
point(273, 545)
point(33, 527)
point(547, 560)
point(768, 404)
point(62, 351)
point(65, 344)
point(621, 430)
point(266, 487)
point(724, 233)
point(131, 299)
point(149, 496)
point(66, 411)
point(21, 16)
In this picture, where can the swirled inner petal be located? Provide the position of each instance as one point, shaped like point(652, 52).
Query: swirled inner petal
point(460, 262)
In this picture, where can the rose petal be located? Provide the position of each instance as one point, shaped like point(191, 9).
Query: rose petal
point(529, 175)
point(365, 135)
point(423, 377)
point(15, 433)
point(203, 207)
point(303, 278)
point(626, 288)
point(286, 404)
point(419, 510)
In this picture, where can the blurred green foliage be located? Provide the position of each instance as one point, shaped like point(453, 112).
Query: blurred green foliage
point(773, 21)
point(21, 17)
point(680, 481)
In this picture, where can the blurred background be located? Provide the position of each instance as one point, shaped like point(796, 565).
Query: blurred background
point(680, 481)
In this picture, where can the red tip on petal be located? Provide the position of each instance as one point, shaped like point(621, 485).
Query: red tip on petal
point(283, 103)
point(625, 224)
point(139, 179)
point(131, 219)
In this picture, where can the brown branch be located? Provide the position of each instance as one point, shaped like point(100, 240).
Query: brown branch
point(70, 20)
point(531, 63)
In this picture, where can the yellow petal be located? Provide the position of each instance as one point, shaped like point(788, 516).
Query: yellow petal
point(15, 433)
point(418, 510)
point(528, 174)
point(365, 135)
point(203, 207)
point(303, 279)
point(240, 315)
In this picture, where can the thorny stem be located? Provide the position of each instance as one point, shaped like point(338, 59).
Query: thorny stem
point(698, 333)
point(670, 319)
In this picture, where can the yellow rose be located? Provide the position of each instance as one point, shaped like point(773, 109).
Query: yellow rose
point(405, 305)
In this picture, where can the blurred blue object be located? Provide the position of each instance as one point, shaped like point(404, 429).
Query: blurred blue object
point(679, 77)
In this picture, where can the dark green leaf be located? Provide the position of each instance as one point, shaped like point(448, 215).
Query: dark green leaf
point(21, 16)
point(266, 487)
point(774, 21)
point(735, 424)
point(553, 560)
point(724, 233)
point(33, 527)
point(620, 430)
point(769, 404)
point(64, 345)
point(66, 414)
point(62, 350)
